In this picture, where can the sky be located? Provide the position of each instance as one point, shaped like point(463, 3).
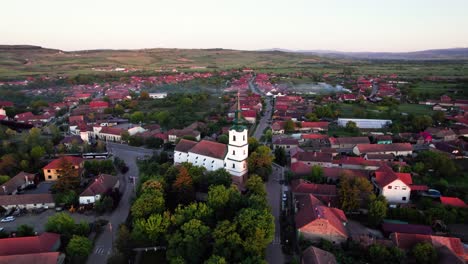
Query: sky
point(344, 25)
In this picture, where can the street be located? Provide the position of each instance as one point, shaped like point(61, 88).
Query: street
point(103, 245)
point(274, 252)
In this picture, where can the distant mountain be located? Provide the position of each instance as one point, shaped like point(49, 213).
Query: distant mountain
point(435, 54)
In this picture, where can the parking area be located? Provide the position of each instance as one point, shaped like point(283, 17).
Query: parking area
point(42, 187)
point(38, 221)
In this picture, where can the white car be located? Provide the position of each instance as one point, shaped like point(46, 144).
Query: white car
point(8, 219)
point(284, 197)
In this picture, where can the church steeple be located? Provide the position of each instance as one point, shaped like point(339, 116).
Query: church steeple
point(237, 116)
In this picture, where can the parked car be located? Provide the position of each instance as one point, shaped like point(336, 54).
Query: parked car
point(285, 197)
point(1, 229)
point(432, 193)
point(8, 219)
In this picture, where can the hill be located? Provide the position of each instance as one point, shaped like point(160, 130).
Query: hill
point(17, 61)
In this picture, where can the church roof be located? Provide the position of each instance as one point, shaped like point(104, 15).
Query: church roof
point(210, 149)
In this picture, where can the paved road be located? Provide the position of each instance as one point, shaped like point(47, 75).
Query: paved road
point(274, 253)
point(103, 246)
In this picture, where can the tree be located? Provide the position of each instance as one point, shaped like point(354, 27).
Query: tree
point(105, 204)
point(183, 185)
point(125, 136)
point(218, 197)
point(218, 177)
point(187, 242)
point(377, 209)
point(438, 116)
point(352, 192)
point(68, 176)
point(144, 95)
point(253, 144)
point(260, 162)
point(79, 248)
point(137, 117)
point(256, 228)
point(289, 126)
point(227, 242)
point(424, 253)
point(223, 139)
point(60, 223)
point(25, 230)
point(4, 178)
point(147, 204)
point(422, 122)
point(280, 156)
point(196, 210)
point(312, 117)
point(37, 152)
point(316, 175)
point(351, 127)
point(255, 185)
point(215, 260)
point(151, 229)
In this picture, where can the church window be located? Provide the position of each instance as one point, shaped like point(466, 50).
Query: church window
point(233, 166)
point(243, 137)
point(244, 151)
point(233, 138)
point(233, 152)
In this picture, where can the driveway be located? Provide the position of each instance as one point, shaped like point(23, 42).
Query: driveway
point(104, 243)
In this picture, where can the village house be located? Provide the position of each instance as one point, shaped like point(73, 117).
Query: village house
point(18, 182)
point(394, 186)
point(27, 201)
point(441, 134)
point(346, 144)
point(313, 158)
point(453, 201)
point(157, 95)
point(315, 222)
point(175, 134)
point(314, 255)
point(103, 184)
point(286, 143)
point(326, 193)
point(365, 123)
point(52, 170)
point(250, 116)
point(397, 149)
point(45, 242)
point(357, 163)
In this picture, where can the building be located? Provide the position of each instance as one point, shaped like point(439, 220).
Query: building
point(347, 142)
point(313, 255)
point(397, 149)
point(18, 182)
point(365, 123)
point(314, 221)
point(175, 134)
point(27, 201)
point(45, 242)
point(453, 201)
point(52, 170)
point(389, 228)
point(313, 158)
point(103, 184)
point(286, 143)
point(326, 193)
point(157, 95)
point(36, 258)
point(214, 155)
point(394, 186)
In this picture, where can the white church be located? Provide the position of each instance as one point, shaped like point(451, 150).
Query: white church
point(214, 155)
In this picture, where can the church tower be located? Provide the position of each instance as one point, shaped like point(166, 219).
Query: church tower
point(238, 149)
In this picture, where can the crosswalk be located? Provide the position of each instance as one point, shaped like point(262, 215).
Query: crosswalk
point(276, 240)
point(102, 251)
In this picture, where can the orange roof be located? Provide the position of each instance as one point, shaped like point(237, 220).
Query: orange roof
point(56, 163)
point(313, 255)
point(385, 175)
point(46, 242)
point(36, 258)
point(210, 149)
point(185, 145)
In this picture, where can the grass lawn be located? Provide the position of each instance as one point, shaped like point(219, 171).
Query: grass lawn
point(415, 109)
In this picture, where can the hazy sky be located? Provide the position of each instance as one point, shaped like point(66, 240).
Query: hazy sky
point(348, 25)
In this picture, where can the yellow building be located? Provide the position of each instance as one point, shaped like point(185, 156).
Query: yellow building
point(52, 170)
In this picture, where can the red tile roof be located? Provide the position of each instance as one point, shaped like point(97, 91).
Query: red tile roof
point(336, 173)
point(313, 255)
point(102, 184)
point(185, 145)
point(9, 200)
point(99, 104)
point(210, 149)
point(16, 182)
point(321, 125)
point(349, 140)
point(314, 156)
point(35, 258)
point(111, 130)
point(249, 113)
point(314, 136)
point(453, 201)
point(369, 148)
point(46, 242)
point(312, 209)
point(56, 163)
point(301, 168)
point(301, 186)
point(385, 175)
point(406, 228)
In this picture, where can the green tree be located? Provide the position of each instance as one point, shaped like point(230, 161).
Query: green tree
point(227, 242)
point(351, 127)
point(137, 117)
point(199, 211)
point(253, 144)
point(422, 122)
point(316, 175)
point(223, 139)
point(151, 229)
point(215, 260)
point(377, 209)
point(144, 95)
point(61, 223)
point(438, 116)
point(255, 185)
point(260, 162)
point(68, 176)
point(123, 242)
point(353, 192)
point(256, 228)
point(4, 178)
point(424, 253)
point(147, 204)
point(105, 204)
point(79, 248)
point(280, 156)
point(25, 230)
point(289, 126)
point(187, 242)
point(218, 197)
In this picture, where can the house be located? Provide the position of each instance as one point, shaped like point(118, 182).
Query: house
point(250, 116)
point(157, 95)
point(357, 163)
point(36, 258)
point(324, 192)
point(286, 143)
point(389, 228)
point(450, 249)
point(347, 142)
point(438, 107)
point(99, 105)
point(333, 174)
point(313, 158)
point(442, 134)
point(453, 201)
point(312, 126)
point(397, 149)
point(103, 184)
point(314, 255)
point(70, 141)
point(18, 182)
point(379, 157)
point(383, 139)
point(394, 186)
point(175, 134)
point(45, 242)
point(27, 201)
point(213, 155)
point(365, 123)
point(52, 170)
point(314, 221)
point(106, 133)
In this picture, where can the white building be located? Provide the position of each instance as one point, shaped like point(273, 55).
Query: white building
point(157, 95)
point(214, 155)
point(365, 123)
point(394, 186)
point(103, 184)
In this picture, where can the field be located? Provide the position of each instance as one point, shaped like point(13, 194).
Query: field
point(372, 110)
point(20, 61)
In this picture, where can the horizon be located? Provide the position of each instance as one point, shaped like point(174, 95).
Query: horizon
point(360, 26)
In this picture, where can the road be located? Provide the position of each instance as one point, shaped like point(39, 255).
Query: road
point(274, 253)
point(103, 246)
